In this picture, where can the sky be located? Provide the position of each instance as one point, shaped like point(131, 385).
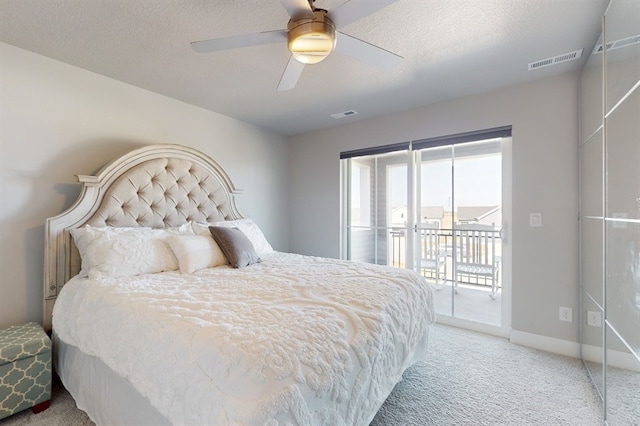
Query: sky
point(477, 182)
point(470, 173)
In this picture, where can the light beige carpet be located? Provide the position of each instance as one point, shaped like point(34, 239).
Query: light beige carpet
point(467, 378)
point(470, 378)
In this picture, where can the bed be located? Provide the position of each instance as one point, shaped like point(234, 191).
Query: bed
point(169, 307)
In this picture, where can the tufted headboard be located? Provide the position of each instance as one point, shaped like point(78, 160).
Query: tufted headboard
point(156, 186)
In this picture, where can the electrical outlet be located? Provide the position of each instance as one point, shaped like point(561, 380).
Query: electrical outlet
point(566, 314)
point(594, 318)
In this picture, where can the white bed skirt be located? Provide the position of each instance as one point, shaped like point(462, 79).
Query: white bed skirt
point(105, 396)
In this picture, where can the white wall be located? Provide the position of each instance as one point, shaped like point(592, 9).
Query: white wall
point(58, 121)
point(544, 117)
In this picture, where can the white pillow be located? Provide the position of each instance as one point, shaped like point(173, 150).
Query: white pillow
point(195, 252)
point(111, 251)
point(248, 228)
point(82, 238)
point(201, 229)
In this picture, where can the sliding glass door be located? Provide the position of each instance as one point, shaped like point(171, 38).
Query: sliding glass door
point(460, 205)
point(435, 206)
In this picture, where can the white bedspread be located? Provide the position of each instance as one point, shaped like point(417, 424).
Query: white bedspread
point(291, 340)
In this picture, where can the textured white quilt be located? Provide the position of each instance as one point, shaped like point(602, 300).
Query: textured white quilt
point(291, 340)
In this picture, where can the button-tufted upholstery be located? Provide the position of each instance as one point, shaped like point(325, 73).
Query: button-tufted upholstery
point(158, 186)
point(163, 192)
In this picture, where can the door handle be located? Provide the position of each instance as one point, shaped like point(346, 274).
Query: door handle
point(504, 233)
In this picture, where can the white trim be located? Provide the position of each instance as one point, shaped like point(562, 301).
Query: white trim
point(506, 226)
point(493, 330)
point(592, 353)
point(623, 360)
point(617, 359)
point(546, 343)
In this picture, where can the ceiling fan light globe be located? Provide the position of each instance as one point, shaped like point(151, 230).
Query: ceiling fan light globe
point(310, 41)
point(311, 48)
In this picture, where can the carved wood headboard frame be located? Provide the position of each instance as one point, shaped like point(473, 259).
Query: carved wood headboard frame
point(156, 186)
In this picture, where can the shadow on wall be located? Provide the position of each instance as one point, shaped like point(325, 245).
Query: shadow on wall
point(47, 192)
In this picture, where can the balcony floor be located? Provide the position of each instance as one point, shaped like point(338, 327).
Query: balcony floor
point(470, 303)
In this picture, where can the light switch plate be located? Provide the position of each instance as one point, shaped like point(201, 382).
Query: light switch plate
point(535, 220)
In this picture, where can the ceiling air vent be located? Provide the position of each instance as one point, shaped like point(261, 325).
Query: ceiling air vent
point(617, 44)
point(565, 57)
point(343, 114)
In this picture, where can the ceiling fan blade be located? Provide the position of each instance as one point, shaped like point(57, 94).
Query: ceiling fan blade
point(365, 52)
point(353, 10)
point(291, 74)
point(234, 42)
point(298, 8)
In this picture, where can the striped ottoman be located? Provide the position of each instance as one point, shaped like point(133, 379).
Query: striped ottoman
point(25, 369)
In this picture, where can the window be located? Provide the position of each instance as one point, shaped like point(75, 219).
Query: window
point(369, 220)
point(360, 194)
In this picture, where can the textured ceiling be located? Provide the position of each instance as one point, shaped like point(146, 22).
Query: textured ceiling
point(451, 48)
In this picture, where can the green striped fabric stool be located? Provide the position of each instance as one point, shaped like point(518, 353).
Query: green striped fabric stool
point(25, 369)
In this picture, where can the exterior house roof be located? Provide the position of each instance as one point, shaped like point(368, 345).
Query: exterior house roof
point(475, 213)
point(432, 212)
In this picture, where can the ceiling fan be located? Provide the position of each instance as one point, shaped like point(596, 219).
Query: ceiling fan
point(312, 34)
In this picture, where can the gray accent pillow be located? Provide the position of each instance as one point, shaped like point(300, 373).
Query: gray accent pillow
point(235, 246)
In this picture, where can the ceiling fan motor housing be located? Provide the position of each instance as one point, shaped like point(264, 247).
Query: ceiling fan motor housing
point(311, 40)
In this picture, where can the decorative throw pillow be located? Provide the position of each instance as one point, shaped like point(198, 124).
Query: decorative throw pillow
point(87, 234)
point(252, 231)
point(236, 247)
point(195, 252)
point(108, 251)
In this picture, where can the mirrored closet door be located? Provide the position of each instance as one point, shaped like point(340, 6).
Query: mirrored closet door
point(610, 213)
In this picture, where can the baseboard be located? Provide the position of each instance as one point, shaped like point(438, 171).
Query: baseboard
point(545, 343)
point(472, 325)
point(592, 353)
point(616, 359)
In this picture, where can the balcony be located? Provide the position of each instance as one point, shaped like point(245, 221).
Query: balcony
point(464, 266)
